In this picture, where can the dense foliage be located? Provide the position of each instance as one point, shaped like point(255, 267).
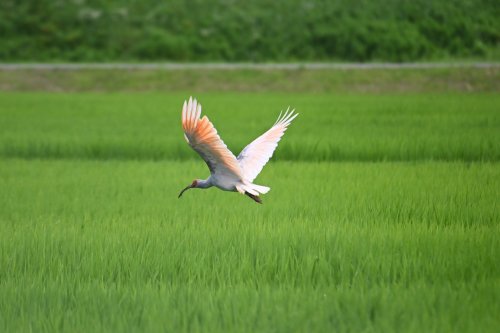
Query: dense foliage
point(231, 30)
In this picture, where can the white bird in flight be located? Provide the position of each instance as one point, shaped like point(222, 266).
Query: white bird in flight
point(227, 172)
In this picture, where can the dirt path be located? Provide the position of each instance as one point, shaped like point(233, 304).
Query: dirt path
point(240, 66)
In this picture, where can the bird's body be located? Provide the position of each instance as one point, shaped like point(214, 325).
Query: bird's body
point(227, 172)
point(221, 182)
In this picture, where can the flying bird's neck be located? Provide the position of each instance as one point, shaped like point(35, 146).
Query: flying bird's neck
point(203, 183)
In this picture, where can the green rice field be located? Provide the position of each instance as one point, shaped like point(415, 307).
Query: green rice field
point(384, 215)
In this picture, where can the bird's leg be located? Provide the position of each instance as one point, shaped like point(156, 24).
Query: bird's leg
point(254, 197)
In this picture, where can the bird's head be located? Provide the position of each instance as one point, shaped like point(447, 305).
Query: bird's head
point(192, 185)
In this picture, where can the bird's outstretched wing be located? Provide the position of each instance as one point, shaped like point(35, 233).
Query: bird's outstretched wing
point(253, 158)
point(203, 138)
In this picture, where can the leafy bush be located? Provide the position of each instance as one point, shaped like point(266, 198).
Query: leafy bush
point(231, 30)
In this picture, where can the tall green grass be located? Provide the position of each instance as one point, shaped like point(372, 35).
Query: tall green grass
point(107, 246)
point(383, 216)
point(447, 127)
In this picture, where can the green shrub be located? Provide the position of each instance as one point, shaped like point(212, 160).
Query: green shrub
point(230, 30)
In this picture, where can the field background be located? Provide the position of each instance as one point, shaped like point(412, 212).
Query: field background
point(384, 210)
point(383, 214)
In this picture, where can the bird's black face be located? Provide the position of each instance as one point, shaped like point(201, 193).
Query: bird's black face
point(193, 184)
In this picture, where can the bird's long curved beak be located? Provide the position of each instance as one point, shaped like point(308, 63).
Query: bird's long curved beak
point(184, 190)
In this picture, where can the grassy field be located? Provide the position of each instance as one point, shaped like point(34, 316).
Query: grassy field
point(465, 79)
point(383, 215)
point(331, 128)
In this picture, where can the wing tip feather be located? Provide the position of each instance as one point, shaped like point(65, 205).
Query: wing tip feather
point(184, 107)
point(287, 117)
point(191, 112)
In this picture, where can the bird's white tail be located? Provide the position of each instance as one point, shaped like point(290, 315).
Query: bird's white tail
point(252, 189)
point(260, 188)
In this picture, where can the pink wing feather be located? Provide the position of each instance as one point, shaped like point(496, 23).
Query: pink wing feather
point(253, 158)
point(203, 138)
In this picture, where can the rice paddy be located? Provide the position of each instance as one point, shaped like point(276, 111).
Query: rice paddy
point(383, 215)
